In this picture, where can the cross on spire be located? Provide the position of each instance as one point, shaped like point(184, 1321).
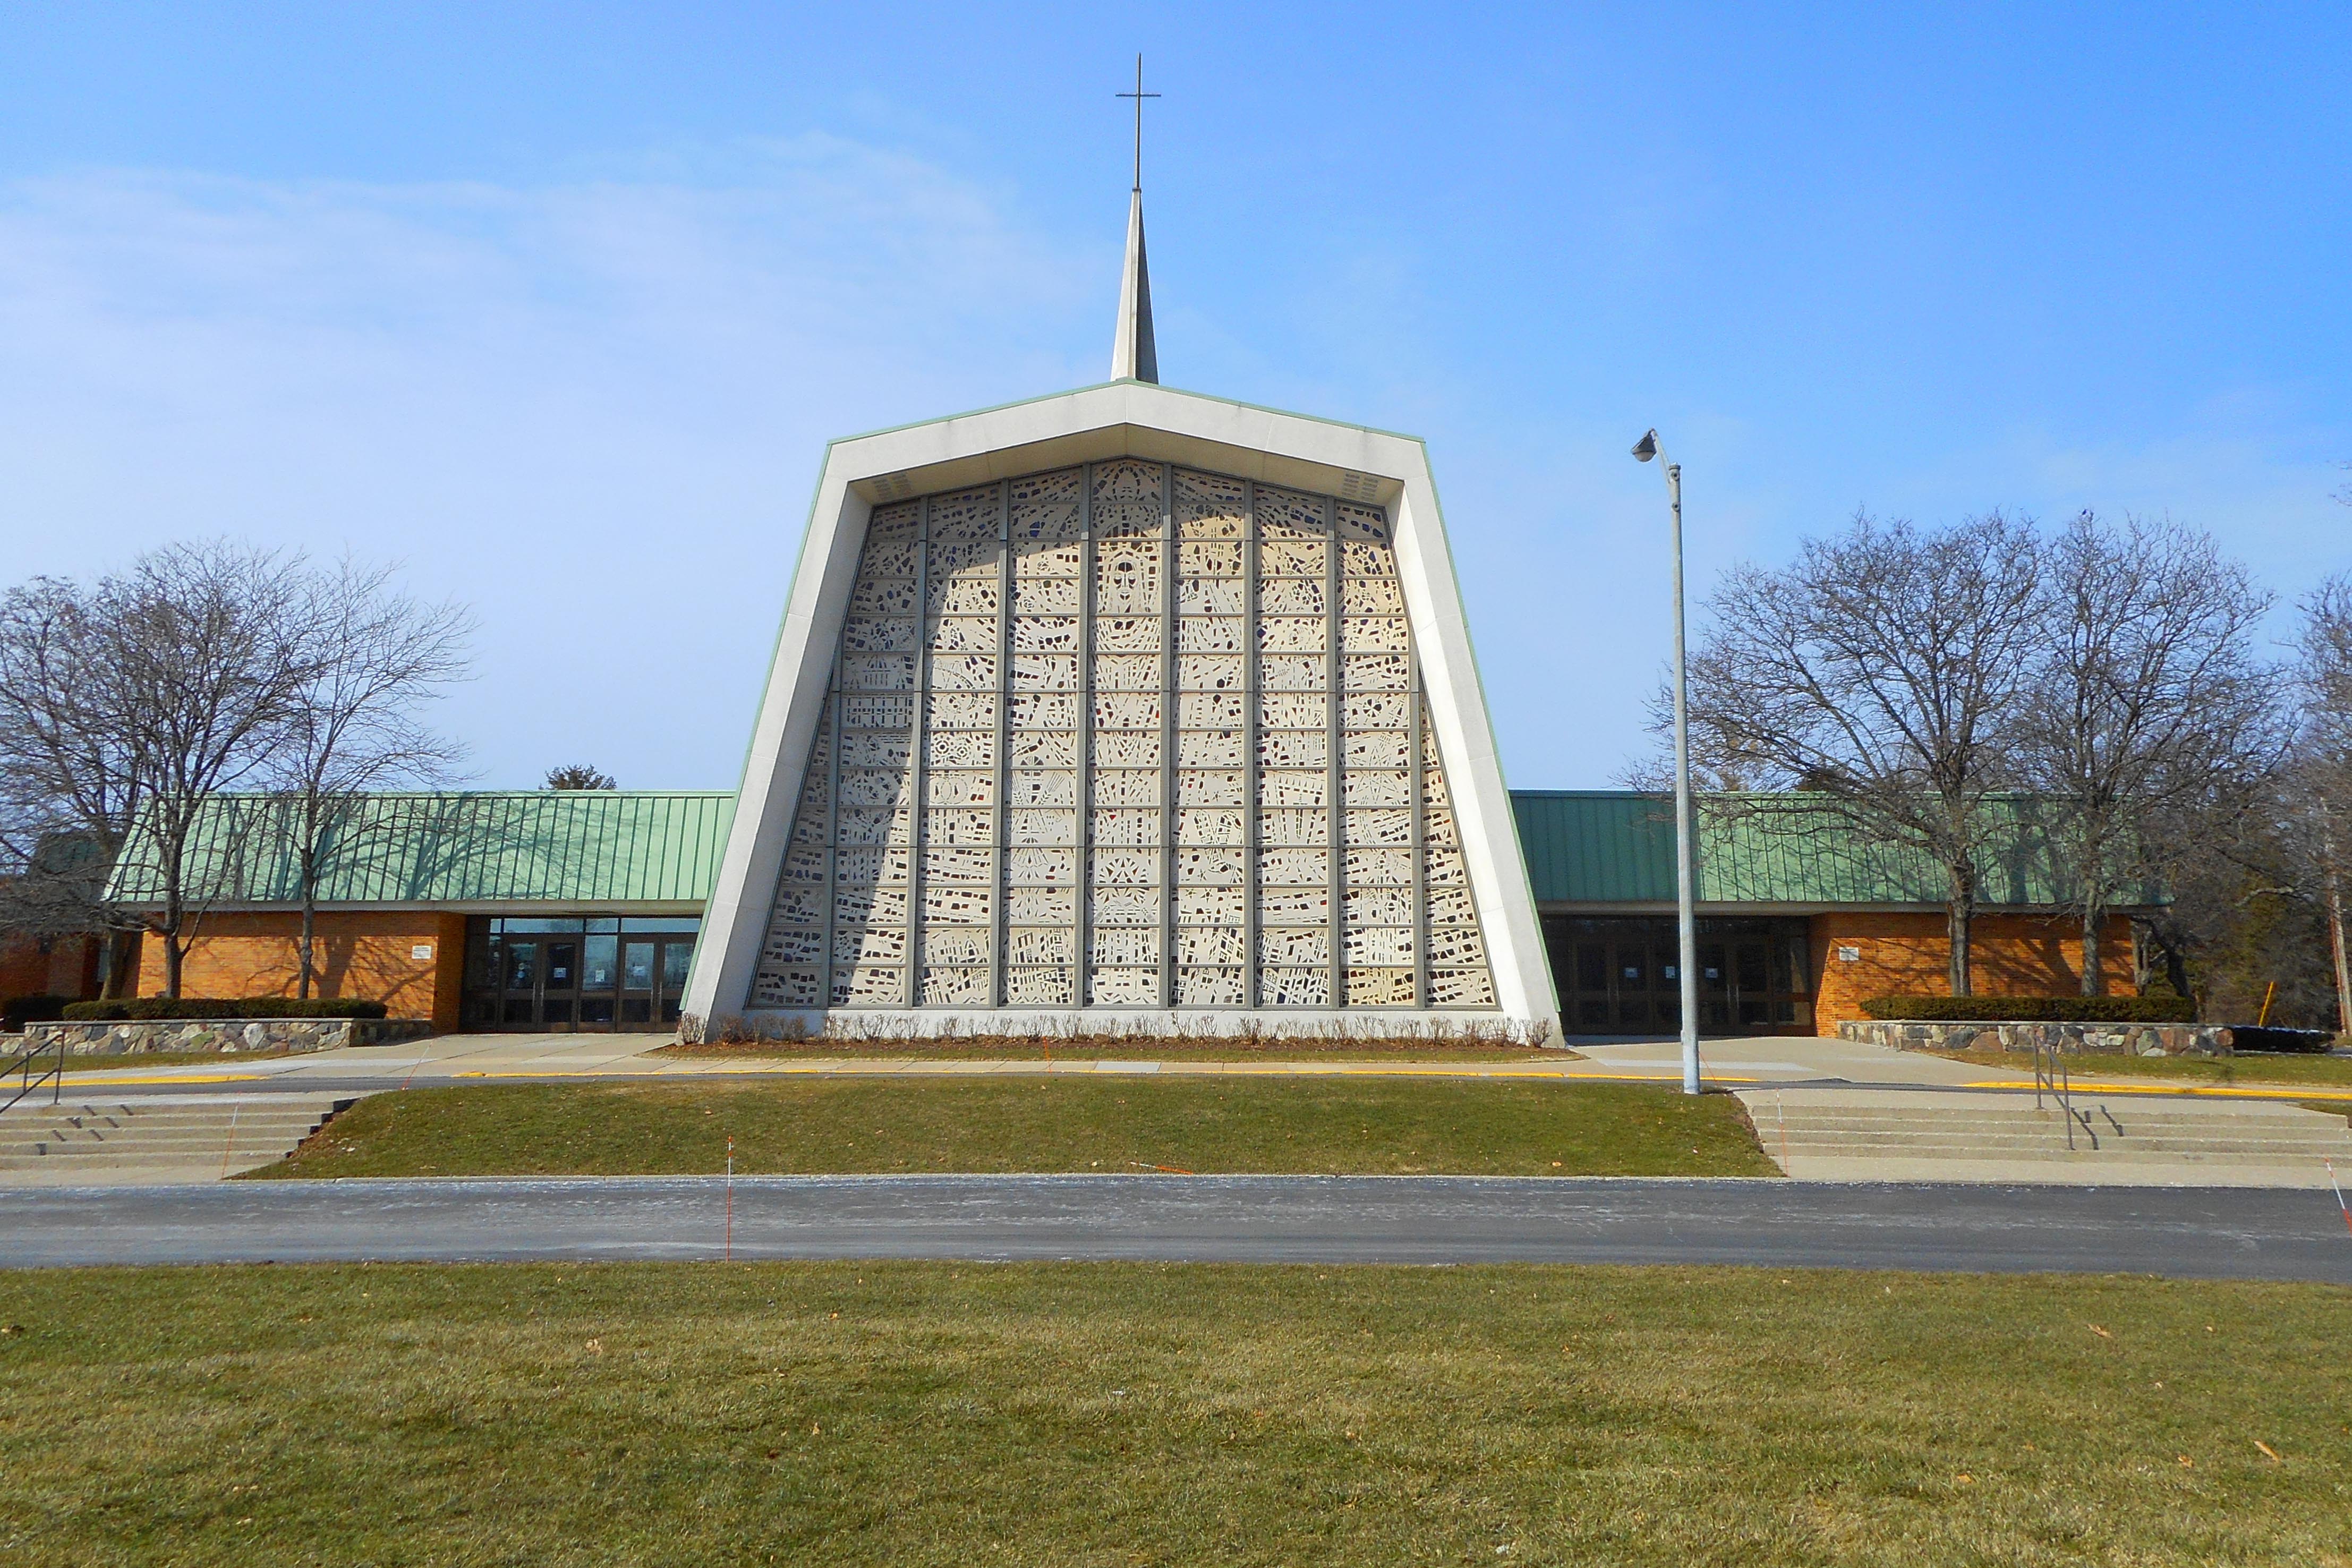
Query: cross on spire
point(1138, 95)
point(1133, 354)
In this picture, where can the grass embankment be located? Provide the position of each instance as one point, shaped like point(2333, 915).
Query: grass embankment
point(934, 1414)
point(1038, 1124)
point(2267, 1068)
point(1126, 1048)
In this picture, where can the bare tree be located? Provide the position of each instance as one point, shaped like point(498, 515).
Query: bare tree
point(2321, 779)
point(579, 776)
point(2238, 928)
point(1880, 675)
point(2145, 704)
point(67, 777)
point(374, 655)
point(133, 702)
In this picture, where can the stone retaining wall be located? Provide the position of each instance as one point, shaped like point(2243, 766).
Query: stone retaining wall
point(226, 1036)
point(2073, 1039)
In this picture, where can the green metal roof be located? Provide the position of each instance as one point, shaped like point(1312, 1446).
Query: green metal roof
point(1617, 846)
point(567, 847)
point(593, 847)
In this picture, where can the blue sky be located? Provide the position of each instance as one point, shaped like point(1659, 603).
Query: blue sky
point(558, 304)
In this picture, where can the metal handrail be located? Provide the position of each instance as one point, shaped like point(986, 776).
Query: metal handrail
point(2053, 1077)
point(21, 1064)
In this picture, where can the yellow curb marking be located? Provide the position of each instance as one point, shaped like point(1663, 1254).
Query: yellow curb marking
point(78, 1080)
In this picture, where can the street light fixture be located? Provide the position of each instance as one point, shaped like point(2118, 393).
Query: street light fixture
point(1685, 913)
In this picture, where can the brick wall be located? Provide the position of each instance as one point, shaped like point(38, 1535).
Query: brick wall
point(67, 967)
point(1906, 954)
point(369, 954)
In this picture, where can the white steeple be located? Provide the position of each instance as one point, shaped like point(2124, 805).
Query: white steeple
point(1133, 355)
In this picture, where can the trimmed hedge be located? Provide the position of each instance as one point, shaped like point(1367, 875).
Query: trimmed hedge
point(2032, 1009)
point(2253, 1037)
point(145, 1009)
point(18, 1011)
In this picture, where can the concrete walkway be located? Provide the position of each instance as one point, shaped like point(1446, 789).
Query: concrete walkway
point(1762, 1061)
point(451, 1058)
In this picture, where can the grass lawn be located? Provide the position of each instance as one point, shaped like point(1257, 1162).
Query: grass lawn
point(1388, 1126)
point(1102, 1414)
point(1122, 1049)
point(2261, 1068)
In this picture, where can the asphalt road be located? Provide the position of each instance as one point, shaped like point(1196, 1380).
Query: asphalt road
point(2187, 1233)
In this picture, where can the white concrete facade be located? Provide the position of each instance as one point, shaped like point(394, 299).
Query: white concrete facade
point(1119, 420)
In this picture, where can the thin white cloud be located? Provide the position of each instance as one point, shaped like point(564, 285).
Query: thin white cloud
point(592, 409)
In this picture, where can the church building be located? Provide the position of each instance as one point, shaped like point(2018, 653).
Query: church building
point(1121, 708)
point(1123, 704)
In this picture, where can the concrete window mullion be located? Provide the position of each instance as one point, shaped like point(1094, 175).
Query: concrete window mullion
point(832, 825)
point(1334, 788)
point(1251, 836)
point(914, 995)
point(1168, 740)
point(1415, 782)
point(1082, 992)
point(999, 834)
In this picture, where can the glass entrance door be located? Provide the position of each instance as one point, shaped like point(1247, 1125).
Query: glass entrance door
point(520, 972)
point(586, 971)
point(637, 983)
point(1618, 976)
point(652, 980)
point(1627, 982)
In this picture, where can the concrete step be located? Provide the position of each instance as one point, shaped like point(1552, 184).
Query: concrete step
point(2124, 1116)
point(195, 1150)
point(2080, 1154)
point(2097, 1136)
point(182, 1139)
point(158, 1112)
point(1849, 1134)
point(159, 1127)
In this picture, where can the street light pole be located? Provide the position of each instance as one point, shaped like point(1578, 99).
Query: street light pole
point(1686, 911)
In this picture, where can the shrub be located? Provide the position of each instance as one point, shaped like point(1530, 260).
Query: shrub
point(138, 1009)
point(18, 1011)
point(2033, 1009)
point(2249, 1037)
